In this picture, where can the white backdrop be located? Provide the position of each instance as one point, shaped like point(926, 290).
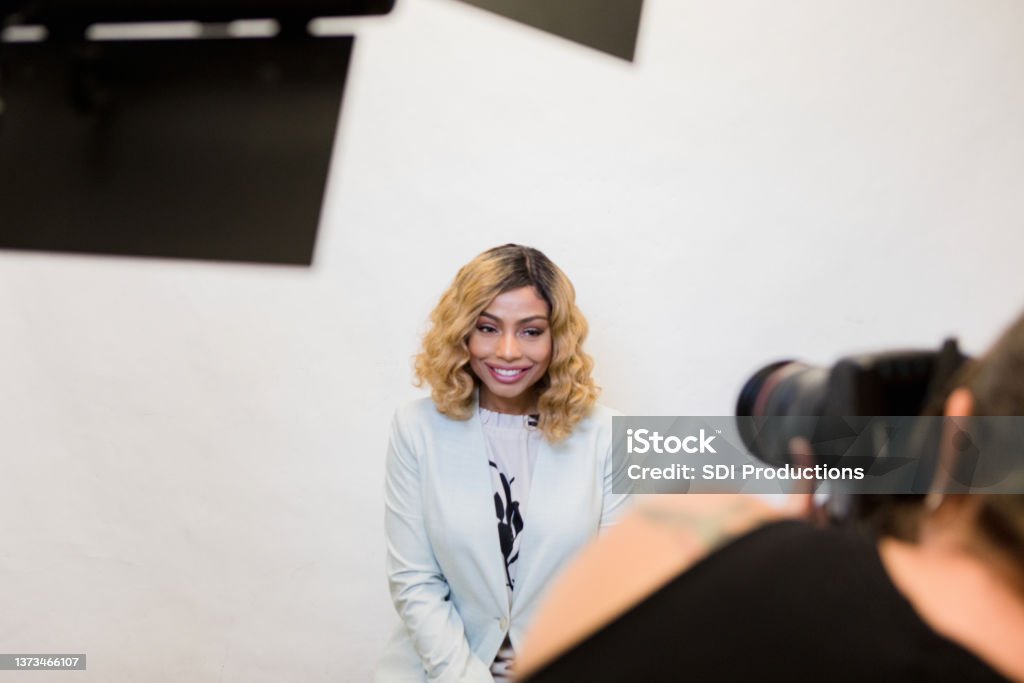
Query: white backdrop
point(192, 453)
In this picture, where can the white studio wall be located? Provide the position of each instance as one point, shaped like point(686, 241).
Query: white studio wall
point(193, 453)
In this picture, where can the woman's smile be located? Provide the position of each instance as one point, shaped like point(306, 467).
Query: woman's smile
point(507, 375)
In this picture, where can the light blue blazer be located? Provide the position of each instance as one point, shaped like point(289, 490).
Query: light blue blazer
point(444, 561)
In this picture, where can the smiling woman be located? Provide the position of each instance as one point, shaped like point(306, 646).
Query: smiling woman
point(564, 394)
point(510, 350)
point(495, 481)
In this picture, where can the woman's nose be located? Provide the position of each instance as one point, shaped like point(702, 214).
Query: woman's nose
point(508, 347)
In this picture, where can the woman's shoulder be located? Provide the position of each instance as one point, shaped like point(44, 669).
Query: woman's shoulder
point(417, 408)
point(422, 415)
point(597, 420)
point(599, 414)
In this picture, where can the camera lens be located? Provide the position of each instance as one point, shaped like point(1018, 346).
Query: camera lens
point(787, 392)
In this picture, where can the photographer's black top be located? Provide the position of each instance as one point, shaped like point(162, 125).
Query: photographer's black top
point(786, 601)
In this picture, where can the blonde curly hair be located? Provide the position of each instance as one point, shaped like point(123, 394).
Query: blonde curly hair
point(567, 391)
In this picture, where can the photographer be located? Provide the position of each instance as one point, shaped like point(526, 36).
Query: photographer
point(725, 587)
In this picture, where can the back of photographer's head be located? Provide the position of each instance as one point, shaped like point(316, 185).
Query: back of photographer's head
point(990, 385)
point(993, 385)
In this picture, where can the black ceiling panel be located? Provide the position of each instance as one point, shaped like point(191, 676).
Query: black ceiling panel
point(607, 25)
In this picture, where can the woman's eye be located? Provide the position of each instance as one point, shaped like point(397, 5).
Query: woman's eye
point(533, 332)
point(486, 328)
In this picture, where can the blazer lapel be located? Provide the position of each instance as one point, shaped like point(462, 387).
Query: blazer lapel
point(471, 498)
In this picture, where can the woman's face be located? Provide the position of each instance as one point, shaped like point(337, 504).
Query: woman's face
point(510, 350)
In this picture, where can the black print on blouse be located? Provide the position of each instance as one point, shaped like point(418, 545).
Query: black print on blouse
point(510, 523)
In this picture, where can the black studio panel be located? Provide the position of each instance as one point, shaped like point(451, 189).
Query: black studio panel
point(610, 26)
point(211, 149)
